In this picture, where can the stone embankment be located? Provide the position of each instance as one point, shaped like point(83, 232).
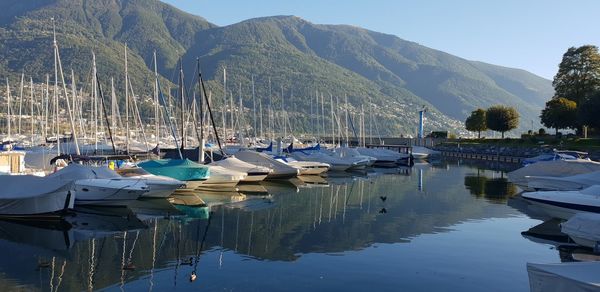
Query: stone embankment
point(484, 151)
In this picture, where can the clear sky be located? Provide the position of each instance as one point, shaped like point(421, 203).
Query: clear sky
point(527, 34)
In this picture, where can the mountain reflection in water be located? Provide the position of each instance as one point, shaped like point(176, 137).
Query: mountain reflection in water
point(156, 244)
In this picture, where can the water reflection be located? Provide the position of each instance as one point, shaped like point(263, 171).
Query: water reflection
point(496, 189)
point(159, 244)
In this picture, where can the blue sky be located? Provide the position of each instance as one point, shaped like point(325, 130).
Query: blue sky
point(527, 34)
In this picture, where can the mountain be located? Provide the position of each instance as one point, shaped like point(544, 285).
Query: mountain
point(387, 77)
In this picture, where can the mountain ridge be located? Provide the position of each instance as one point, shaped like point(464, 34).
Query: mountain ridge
point(298, 58)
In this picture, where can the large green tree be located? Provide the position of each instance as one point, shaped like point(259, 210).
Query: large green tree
point(589, 111)
point(476, 122)
point(501, 118)
point(578, 74)
point(559, 113)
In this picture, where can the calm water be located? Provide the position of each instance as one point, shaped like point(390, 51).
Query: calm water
point(443, 227)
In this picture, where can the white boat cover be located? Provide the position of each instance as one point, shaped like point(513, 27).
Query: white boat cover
point(264, 160)
point(382, 154)
point(28, 186)
point(77, 171)
point(335, 162)
point(21, 194)
point(567, 183)
point(556, 168)
point(583, 225)
point(425, 150)
point(572, 277)
point(241, 166)
point(219, 174)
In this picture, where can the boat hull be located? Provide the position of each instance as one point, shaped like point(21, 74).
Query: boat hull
point(46, 205)
point(108, 192)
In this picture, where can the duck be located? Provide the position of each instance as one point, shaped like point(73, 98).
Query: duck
point(383, 198)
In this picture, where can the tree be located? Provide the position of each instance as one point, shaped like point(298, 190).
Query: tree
point(560, 113)
point(476, 122)
point(501, 118)
point(578, 74)
point(589, 111)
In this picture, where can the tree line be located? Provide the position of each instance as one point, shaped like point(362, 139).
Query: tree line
point(497, 118)
point(576, 102)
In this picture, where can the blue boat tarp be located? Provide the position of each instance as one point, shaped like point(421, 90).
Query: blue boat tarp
point(291, 148)
point(265, 149)
point(180, 169)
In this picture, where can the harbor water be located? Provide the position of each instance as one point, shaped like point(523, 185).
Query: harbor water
point(450, 225)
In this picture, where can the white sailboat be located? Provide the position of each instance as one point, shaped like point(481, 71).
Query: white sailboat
point(254, 173)
point(335, 163)
point(222, 178)
point(305, 167)
point(280, 169)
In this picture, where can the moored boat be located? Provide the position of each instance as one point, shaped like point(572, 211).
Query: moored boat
point(185, 170)
point(28, 195)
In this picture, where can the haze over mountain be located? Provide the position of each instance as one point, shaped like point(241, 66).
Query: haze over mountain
point(388, 77)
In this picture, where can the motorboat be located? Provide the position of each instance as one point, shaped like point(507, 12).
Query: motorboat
point(384, 157)
point(555, 168)
point(158, 186)
point(422, 153)
point(583, 228)
point(358, 160)
point(95, 185)
point(254, 173)
point(557, 155)
point(568, 183)
point(565, 204)
point(577, 276)
point(222, 178)
point(191, 173)
point(280, 170)
point(28, 195)
point(336, 164)
point(305, 167)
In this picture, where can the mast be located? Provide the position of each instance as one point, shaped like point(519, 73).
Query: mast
point(253, 107)
point(31, 109)
point(95, 100)
point(223, 109)
point(347, 138)
point(261, 117)
point(21, 103)
point(332, 124)
point(126, 104)
point(182, 103)
point(156, 104)
point(64, 85)
point(46, 106)
point(8, 114)
point(271, 124)
point(201, 148)
point(55, 118)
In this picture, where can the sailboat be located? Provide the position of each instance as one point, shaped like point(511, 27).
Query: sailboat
point(253, 172)
point(280, 169)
